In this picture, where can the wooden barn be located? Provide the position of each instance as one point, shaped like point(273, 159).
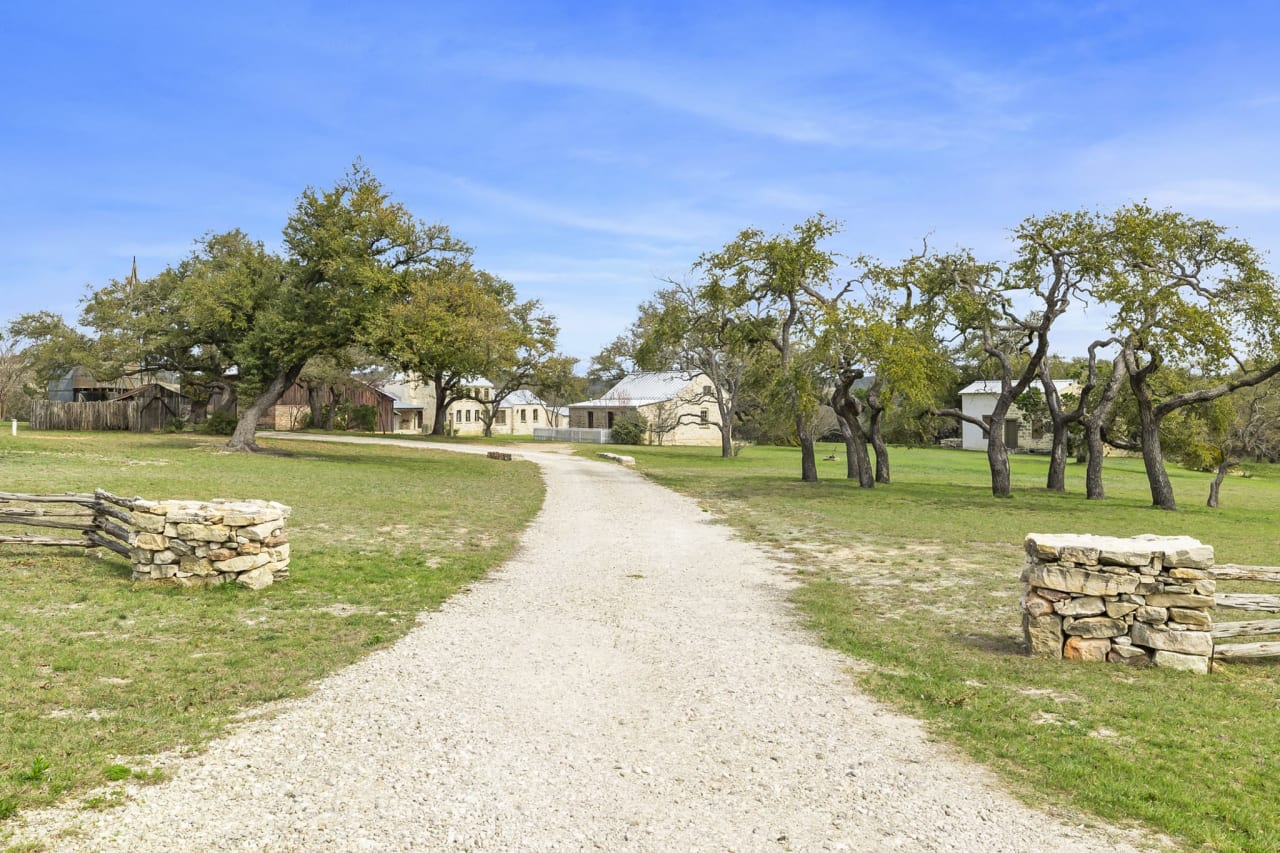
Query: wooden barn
point(293, 410)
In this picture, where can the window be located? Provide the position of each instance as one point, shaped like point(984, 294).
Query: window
point(535, 418)
point(702, 417)
point(457, 416)
point(611, 420)
point(591, 420)
point(467, 417)
point(524, 417)
point(502, 417)
point(707, 390)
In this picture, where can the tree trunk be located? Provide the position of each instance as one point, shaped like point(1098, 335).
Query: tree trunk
point(1218, 477)
point(1093, 472)
point(1153, 457)
point(1057, 480)
point(726, 430)
point(438, 419)
point(315, 402)
point(857, 461)
point(242, 438)
point(877, 443)
point(998, 454)
point(808, 459)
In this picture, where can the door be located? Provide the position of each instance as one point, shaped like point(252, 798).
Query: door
point(1011, 433)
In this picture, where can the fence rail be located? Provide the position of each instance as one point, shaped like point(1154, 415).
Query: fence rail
point(97, 517)
point(1251, 602)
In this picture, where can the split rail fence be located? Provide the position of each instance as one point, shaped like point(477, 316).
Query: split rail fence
point(1246, 601)
point(97, 518)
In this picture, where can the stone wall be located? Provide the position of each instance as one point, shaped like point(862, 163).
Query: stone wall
point(222, 541)
point(1143, 600)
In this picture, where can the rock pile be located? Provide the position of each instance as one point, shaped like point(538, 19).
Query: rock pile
point(193, 542)
point(1143, 600)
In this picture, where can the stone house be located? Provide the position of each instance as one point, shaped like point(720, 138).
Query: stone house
point(519, 413)
point(1021, 431)
point(680, 408)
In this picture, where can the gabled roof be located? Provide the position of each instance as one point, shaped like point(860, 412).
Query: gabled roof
point(992, 386)
point(521, 397)
point(643, 389)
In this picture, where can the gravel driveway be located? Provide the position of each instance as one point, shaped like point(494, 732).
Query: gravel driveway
point(631, 680)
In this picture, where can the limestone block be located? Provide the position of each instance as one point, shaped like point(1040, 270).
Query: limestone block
point(1192, 556)
point(1206, 587)
point(256, 578)
point(1084, 649)
point(280, 554)
point(1153, 615)
point(277, 540)
point(1081, 581)
point(1035, 605)
point(162, 572)
point(170, 529)
point(1095, 626)
point(1188, 574)
point(162, 558)
point(1173, 660)
point(1085, 605)
point(259, 532)
point(1078, 554)
point(1127, 655)
point(197, 566)
point(243, 564)
point(179, 547)
point(203, 532)
point(148, 522)
point(1185, 616)
point(1120, 609)
point(1043, 634)
point(219, 554)
point(1183, 642)
point(140, 556)
point(152, 541)
point(249, 547)
point(1167, 599)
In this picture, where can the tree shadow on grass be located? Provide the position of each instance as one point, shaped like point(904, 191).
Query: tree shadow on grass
point(1004, 645)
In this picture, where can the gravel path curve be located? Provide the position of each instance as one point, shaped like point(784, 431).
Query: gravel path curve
point(631, 680)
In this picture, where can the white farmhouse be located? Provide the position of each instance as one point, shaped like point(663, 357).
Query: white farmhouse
point(679, 408)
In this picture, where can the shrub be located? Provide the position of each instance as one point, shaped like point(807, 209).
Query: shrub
point(630, 428)
point(363, 418)
point(174, 425)
point(219, 423)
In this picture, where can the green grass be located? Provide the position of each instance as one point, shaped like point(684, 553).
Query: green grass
point(100, 672)
point(920, 578)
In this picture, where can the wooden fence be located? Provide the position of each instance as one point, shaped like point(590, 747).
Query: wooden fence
point(1252, 602)
point(105, 414)
point(96, 518)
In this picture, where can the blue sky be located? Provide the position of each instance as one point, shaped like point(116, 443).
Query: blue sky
point(587, 150)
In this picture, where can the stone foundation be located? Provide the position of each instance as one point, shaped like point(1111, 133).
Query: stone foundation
point(1144, 600)
point(221, 541)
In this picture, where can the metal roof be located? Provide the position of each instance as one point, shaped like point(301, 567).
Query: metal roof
point(643, 389)
point(993, 386)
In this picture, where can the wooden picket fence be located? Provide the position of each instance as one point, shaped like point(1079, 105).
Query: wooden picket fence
point(1252, 602)
point(101, 519)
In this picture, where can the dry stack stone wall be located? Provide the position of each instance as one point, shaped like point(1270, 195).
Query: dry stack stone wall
point(1142, 600)
point(221, 541)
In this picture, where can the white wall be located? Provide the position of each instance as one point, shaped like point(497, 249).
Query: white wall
point(977, 405)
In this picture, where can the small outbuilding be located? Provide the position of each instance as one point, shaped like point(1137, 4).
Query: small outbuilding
point(1021, 430)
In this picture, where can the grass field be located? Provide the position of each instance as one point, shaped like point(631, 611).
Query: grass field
point(920, 578)
point(100, 672)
